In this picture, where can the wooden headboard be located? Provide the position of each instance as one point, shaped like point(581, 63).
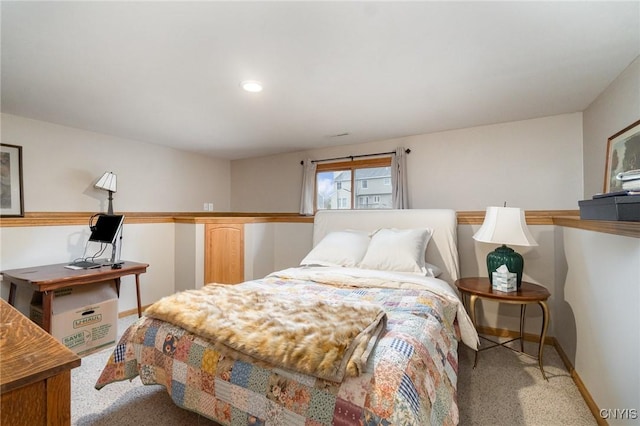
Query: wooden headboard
point(442, 250)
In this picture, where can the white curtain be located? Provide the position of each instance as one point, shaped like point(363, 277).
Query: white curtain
point(400, 196)
point(308, 188)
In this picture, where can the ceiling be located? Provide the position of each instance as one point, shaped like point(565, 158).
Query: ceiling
point(169, 73)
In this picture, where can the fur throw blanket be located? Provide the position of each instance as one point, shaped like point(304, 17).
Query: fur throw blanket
point(325, 340)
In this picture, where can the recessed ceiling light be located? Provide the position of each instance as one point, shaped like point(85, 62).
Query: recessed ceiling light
point(251, 86)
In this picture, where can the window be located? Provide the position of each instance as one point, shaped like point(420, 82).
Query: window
point(371, 179)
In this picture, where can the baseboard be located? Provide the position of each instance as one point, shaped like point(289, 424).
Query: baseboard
point(595, 410)
point(588, 399)
point(131, 311)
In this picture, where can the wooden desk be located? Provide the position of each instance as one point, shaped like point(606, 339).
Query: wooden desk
point(35, 373)
point(480, 288)
point(48, 278)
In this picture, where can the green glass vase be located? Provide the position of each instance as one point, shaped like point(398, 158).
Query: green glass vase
point(504, 255)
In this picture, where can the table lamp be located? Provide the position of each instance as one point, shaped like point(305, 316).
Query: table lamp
point(108, 183)
point(505, 225)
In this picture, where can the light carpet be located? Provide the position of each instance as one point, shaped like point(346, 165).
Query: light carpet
point(505, 389)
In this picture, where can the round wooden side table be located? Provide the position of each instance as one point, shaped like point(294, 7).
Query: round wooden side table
point(480, 288)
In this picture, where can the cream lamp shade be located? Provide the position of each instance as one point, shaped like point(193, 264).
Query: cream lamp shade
point(505, 225)
point(108, 182)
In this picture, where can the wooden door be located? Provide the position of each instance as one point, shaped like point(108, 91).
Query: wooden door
point(224, 253)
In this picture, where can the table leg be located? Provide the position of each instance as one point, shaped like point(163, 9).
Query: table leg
point(523, 309)
point(472, 312)
point(138, 295)
point(545, 325)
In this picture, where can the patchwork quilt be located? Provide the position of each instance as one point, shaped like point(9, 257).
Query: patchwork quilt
point(325, 339)
point(409, 378)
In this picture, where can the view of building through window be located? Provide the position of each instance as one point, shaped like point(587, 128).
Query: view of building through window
point(334, 188)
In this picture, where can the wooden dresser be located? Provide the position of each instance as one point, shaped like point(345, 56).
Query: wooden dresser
point(35, 373)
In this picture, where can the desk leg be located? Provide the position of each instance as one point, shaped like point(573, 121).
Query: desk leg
point(138, 295)
point(12, 294)
point(116, 281)
point(472, 312)
point(545, 325)
point(47, 299)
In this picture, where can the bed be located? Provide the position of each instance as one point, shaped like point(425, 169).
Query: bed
point(364, 332)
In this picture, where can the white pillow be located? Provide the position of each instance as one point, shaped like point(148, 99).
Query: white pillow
point(399, 250)
point(432, 270)
point(339, 248)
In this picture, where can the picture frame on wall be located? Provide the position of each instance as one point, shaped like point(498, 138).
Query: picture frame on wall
point(623, 155)
point(11, 191)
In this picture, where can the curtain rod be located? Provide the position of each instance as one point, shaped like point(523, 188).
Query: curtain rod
point(351, 157)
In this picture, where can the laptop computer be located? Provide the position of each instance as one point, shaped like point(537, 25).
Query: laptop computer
point(84, 264)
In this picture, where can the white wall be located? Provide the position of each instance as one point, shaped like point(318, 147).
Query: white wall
point(274, 246)
point(543, 164)
point(61, 164)
point(189, 256)
point(597, 309)
point(22, 247)
point(533, 164)
point(292, 242)
point(616, 108)
point(598, 275)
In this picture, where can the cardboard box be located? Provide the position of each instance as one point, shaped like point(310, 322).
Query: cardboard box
point(506, 282)
point(83, 318)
